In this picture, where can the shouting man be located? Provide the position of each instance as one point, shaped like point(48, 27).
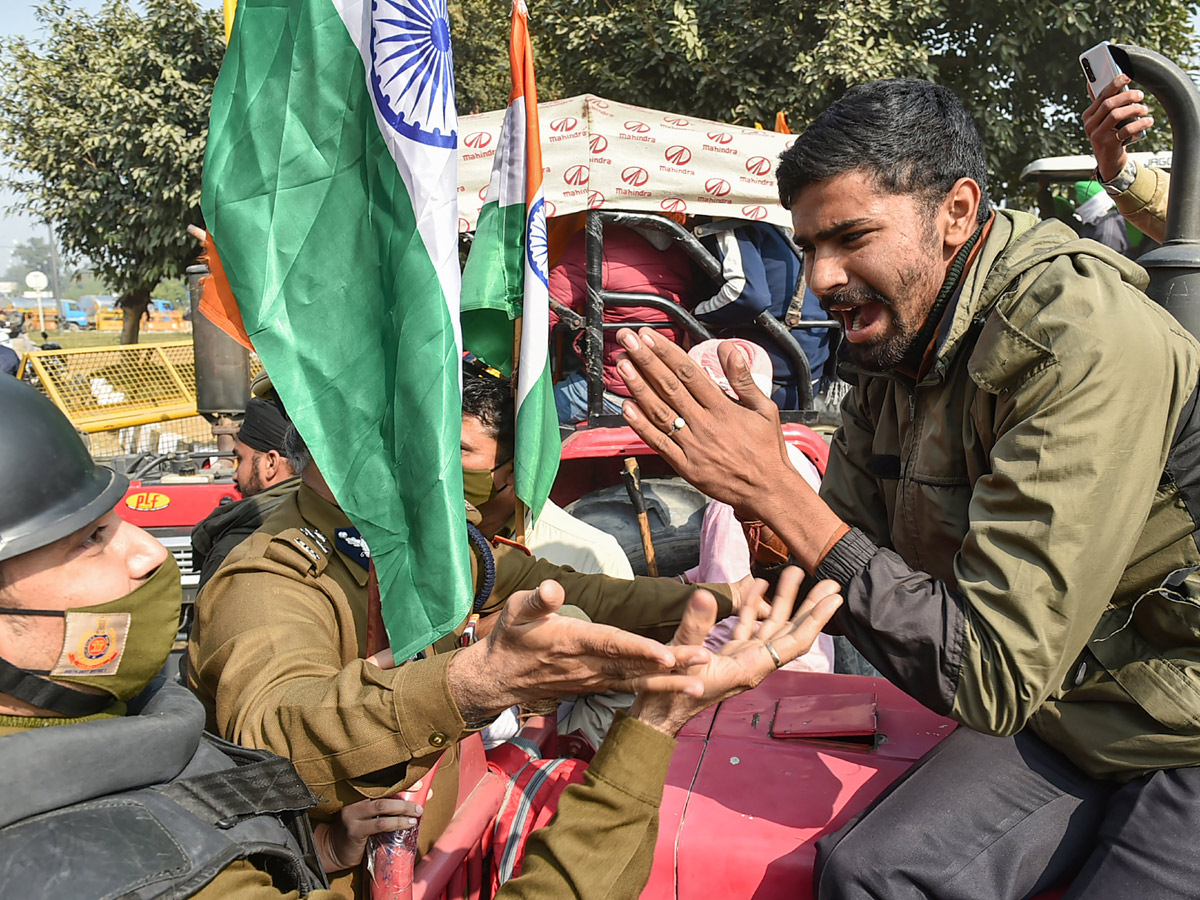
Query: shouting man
point(1009, 509)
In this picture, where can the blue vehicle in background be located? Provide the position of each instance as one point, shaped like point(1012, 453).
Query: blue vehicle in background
point(72, 316)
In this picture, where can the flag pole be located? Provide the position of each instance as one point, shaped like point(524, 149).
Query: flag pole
point(230, 7)
point(519, 511)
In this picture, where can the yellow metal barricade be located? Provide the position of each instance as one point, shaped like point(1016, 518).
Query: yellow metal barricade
point(33, 322)
point(108, 388)
point(109, 319)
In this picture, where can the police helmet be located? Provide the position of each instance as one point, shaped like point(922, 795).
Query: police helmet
point(52, 488)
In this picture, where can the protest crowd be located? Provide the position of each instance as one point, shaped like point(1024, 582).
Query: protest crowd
point(988, 535)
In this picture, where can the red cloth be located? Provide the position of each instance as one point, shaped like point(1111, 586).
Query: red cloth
point(631, 263)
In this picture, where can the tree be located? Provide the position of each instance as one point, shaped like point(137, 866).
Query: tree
point(28, 256)
point(1013, 64)
point(103, 124)
point(481, 72)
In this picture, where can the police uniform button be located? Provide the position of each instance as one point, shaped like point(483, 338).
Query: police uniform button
point(437, 739)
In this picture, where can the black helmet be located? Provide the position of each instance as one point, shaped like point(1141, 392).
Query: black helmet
point(52, 487)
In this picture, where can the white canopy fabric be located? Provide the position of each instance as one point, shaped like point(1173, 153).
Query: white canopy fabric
point(597, 153)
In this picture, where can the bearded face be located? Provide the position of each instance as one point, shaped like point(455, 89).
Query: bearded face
point(874, 259)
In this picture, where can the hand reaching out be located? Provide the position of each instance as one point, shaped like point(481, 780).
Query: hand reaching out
point(746, 659)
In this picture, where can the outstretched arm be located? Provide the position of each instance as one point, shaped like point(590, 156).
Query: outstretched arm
point(622, 790)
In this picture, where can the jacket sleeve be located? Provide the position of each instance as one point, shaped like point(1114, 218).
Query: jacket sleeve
point(615, 808)
point(267, 657)
point(1144, 203)
point(651, 607)
point(1082, 429)
point(746, 291)
point(240, 880)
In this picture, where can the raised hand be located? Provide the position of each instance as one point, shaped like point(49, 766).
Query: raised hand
point(731, 451)
point(755, 650)
point(1115, 118)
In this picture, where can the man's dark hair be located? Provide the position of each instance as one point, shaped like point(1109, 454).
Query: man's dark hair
point(912, 136)
point(490, 400)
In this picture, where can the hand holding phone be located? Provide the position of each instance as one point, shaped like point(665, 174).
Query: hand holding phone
point(1101, 70)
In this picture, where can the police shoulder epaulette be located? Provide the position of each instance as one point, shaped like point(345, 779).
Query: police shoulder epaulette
point(304, 549)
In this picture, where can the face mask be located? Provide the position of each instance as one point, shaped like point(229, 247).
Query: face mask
point(479, 486)
point(119, 646)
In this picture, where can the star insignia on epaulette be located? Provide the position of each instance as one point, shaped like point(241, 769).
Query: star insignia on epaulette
point(308, 551)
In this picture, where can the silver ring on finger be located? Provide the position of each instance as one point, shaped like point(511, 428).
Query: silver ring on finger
point(774, 654)
point(678, 425)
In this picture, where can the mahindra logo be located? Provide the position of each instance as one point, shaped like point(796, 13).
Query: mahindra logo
point(595, 199)
point(599, 143)
point(463, 224)
point(678, 155)
point(720, 137)
point(676, 120)
point(566, 123)
point(758, 165)
point(754, 212)
point(635, 176)
point(576, 175)
point(483, 193)
point(673, 204)
point(789, 144)
point(551, 210)
point(599, 104)
point(478, 140)
point(636, 127)
point(717, 187)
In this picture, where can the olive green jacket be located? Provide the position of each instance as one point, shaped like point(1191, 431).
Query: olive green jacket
point(1144, 203)
point(1026, 535)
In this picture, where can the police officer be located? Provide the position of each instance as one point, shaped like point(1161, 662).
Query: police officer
point(279, 653)
point(114, 790)
point(111, 787)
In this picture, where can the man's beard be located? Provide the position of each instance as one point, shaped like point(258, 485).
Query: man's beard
point(254, 484)
point(885, 353)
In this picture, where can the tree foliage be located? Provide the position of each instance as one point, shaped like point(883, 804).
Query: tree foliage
point(103, 123)
point(1013, 63)
point(28, 256)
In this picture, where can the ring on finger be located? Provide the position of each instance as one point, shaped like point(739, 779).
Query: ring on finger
point(678, 425)
point(774, 654)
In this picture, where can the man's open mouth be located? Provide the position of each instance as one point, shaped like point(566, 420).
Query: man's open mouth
point(860, 322)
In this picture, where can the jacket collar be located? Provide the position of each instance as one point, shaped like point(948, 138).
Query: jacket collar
point(1016, 243)
point(329, 519)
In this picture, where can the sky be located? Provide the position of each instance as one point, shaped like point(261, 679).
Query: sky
point(16, 17)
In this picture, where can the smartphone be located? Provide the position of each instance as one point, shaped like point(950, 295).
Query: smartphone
point(1100, 69)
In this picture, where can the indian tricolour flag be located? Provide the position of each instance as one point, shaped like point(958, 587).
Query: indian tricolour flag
point(505, 279)
point(330, 184)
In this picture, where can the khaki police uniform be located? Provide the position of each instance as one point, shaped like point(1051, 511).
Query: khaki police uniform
point(276, 656)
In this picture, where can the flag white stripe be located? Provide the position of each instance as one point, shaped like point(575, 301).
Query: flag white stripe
point(430, 174)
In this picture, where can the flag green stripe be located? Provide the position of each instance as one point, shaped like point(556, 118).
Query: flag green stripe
point(493, 279)
point(316, 232)
point(538, 444)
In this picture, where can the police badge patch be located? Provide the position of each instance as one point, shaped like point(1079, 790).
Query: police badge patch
point(93, 644)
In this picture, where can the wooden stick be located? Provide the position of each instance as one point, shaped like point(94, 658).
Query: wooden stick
point(632, 477)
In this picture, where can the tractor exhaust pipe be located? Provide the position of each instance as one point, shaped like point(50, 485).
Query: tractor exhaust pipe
point(1174, 267)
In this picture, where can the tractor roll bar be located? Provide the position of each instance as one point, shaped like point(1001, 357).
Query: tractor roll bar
point(1175, 266)
point(598, 298)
